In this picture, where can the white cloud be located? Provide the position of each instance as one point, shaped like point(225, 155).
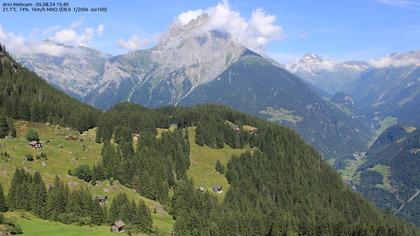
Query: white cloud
point(133, 43)
point(18, 44)
point(11, 40)
point(397, 60)
point(72, 35)
point(254, 33)
point(186, 17)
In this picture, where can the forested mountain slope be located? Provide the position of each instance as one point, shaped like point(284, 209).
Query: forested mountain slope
point(283, 187)
point(389, 91)
point(390, 175)
point(23, 95)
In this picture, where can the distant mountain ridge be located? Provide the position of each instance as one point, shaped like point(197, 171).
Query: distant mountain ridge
point(335, 76)
point(389, 91)
point(327, 74)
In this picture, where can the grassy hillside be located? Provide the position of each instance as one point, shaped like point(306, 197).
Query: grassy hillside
point(63, 155)
point(203, 160)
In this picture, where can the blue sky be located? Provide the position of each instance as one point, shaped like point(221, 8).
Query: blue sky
point(344, 29)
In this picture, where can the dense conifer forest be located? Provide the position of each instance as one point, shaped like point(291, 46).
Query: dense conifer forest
point(283, 188)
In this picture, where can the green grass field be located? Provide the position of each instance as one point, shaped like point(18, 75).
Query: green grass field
point(203, 160)
point(385, 171)
point(63, 155)
point(349, 173)
point(33, 226)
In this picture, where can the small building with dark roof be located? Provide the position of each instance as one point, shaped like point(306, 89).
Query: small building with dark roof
point(217, 188)
point(236, 128)
point(118, 226)
point(71, 138)
point(35, 144)
point(101, 199)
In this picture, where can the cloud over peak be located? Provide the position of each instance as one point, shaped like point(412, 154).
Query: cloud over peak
point(73, 35)
point(133, 43)
point(255, 32)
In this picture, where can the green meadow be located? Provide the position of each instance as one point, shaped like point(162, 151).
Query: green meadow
point(203, 162)
point(63, 155)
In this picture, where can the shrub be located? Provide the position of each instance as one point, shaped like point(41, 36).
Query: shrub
point(83, 172)
point(29, 157)
point(32, 135)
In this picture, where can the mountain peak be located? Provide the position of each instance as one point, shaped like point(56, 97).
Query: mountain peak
point(311, 64)
point(312, 56)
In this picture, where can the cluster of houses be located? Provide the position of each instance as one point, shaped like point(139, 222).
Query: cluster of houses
point(217, 188)
point(38, 144)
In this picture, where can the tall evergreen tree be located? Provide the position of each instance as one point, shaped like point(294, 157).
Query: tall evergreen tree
point(97, 213)
point(144, 218)
point(4, 127)
point(40, 195)
point(57, 199)
point(15, 190)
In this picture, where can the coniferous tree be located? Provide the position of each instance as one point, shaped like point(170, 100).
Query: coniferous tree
point(4, 127)
point(3, 203)
point(40, 195)
point(57, 199)
point(15, 193)
point(142, 213)
point(97, 213)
